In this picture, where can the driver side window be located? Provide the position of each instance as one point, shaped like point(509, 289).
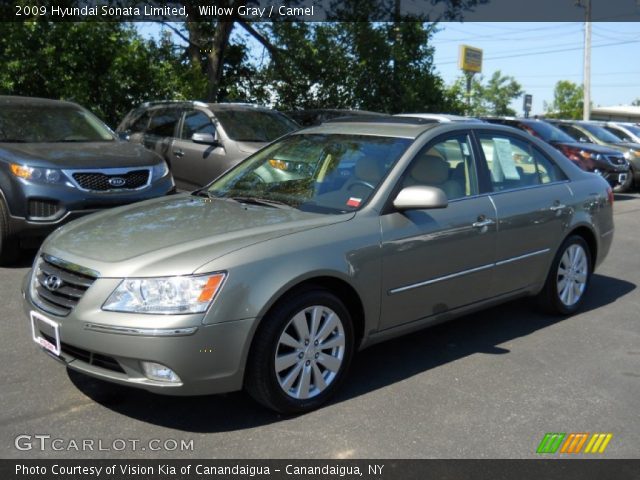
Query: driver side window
point(196, 122)
point(447, 164)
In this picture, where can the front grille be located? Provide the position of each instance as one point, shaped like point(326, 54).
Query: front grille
point(92, 358)
point(61, 296)
point(101, 182)
point(43, 208)
point(616, 160)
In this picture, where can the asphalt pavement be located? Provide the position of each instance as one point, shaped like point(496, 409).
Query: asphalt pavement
point(489, 385)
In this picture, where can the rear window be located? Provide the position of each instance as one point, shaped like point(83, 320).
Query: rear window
point(245, 125)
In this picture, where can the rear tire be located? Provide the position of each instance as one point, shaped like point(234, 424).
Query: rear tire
point(564, 290)
point(9, 250)
point(301, 352)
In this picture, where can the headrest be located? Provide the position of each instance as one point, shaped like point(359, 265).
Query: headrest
point(430, 170)
point(368, 169)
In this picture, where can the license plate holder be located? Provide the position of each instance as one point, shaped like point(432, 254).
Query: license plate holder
point(39, 339)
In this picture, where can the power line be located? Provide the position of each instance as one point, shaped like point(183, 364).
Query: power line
point(544, 52)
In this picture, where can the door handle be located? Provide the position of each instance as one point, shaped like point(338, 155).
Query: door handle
point(483, 223)
point(178, 153)
point(557, 206)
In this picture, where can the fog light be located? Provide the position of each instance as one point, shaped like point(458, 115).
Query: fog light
point(157, 371)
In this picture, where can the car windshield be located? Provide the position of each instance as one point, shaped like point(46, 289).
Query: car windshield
point(246, 125)
point(323, 173)
point(50, 124)
point(549, 133)
point(601, 134)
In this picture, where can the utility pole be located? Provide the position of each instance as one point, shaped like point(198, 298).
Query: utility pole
point(586, 109)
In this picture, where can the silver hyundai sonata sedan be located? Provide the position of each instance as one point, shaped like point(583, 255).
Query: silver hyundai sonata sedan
point(324, 242)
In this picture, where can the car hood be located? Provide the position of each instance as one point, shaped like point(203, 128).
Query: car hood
point(590, 147)
point(635, 146)
point(173, 235)
point(114, 154)
point(250, 147)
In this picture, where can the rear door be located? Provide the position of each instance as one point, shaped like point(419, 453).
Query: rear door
point(162, 130)
point(533, 204)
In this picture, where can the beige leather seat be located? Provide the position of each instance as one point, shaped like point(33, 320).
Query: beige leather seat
point(433, 171)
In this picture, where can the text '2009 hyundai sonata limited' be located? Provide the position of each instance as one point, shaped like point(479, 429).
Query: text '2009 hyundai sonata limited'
point(328, 240)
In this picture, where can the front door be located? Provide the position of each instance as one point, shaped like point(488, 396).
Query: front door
point(195, 164)
point(437, 260)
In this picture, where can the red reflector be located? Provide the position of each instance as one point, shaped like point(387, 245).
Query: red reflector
point(610, 195)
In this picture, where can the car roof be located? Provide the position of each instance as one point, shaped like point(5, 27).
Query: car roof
point(400, 127)
point(35, 101)
point(443, 117)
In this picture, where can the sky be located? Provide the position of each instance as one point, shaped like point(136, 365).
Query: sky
point(537, 55)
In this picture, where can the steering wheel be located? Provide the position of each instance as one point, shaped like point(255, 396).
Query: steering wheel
point(361, 182)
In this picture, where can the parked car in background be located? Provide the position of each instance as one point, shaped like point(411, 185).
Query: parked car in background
point(627, 132)
point(594, 133)
point(439, 117)
point(200, 141)
point(58, 162)
point(313, 117)
point(608, 162)
point(272, 286)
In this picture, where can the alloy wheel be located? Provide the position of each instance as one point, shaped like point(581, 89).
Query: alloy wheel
point(573, 271)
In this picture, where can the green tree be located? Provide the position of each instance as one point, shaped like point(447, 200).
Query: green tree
point(105, 66)
point(568, 101)
point(490, 98)
point(636, 102)
point(385, 67)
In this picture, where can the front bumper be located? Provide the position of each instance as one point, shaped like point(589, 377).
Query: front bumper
point(71, 203)
point(210, 360)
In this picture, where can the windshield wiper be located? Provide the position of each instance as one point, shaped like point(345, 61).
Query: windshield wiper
point(12, 140)
point(201, 193)
point(261, 201)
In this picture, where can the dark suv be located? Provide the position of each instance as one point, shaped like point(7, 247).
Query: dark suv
point(58, 162)
point(608, 162)
point(200, 141)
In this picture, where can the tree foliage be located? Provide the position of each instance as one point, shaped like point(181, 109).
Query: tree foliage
point(106, 66)
point(382, 67)
point(492, 97)
point(568, 101)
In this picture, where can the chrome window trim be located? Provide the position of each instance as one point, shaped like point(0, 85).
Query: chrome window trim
point(147, 332)
point(466, 272)
point(108, 171)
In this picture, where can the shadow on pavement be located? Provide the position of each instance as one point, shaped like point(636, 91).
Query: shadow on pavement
point(376, 367)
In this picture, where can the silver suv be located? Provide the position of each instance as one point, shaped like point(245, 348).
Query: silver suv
point(200, 141)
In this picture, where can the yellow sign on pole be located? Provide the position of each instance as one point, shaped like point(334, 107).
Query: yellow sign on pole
point(470, 59)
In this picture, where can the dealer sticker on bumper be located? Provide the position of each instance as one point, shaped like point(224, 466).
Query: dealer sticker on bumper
point(37, 335)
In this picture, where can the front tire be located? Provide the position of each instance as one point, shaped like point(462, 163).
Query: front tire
point(301, 352)
point(568, 279)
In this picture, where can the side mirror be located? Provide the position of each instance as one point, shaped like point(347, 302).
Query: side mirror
point(205, 138)
point(420, 197)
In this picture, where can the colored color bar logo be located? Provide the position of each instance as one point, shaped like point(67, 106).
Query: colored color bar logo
point(573, 443)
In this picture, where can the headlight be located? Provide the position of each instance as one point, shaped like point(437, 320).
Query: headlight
point(184, 294)
point(628, 154)
point(160, 170)
point(43, 175)
point(590, 155)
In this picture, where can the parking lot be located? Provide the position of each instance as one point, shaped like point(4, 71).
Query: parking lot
point(488, 385)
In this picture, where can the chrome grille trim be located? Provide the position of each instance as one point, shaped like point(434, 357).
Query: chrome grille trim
point(75, 281)
point(110, 172)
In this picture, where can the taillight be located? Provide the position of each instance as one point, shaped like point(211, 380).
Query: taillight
point(610, 195)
